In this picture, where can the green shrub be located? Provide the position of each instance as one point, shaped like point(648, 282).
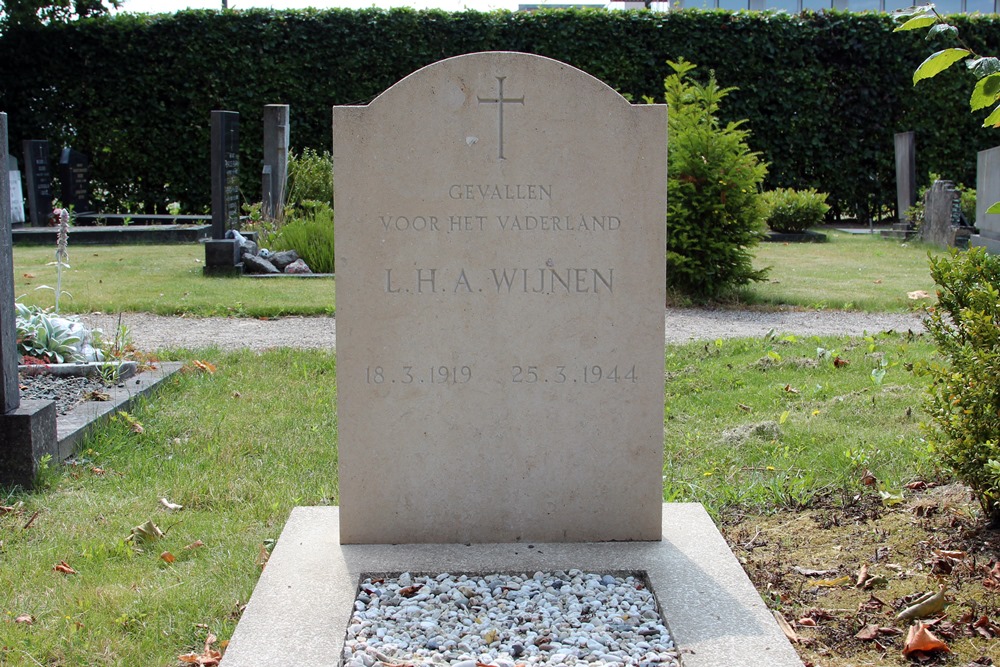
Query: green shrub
point(794, 211)
point(714, 209)
point(964, 396)
point(310, 233)
point(310, 178)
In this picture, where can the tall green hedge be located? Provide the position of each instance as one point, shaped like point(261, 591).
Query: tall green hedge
point(824, 93)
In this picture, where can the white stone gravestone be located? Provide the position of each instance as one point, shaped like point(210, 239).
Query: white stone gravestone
point(16, 192)
point(500, 293)
point(987, 194)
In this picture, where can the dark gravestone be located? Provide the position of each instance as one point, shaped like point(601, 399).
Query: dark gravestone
point(906, 172)
point(74, 173)
point(943, 221)
point(225, 172)
point(275, 171)
point(16, 193)
point(38, 174)
point(27, 428)
point(222, 255)
point(10, 394)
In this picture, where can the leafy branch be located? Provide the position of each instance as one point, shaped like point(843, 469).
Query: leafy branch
point(986, 92)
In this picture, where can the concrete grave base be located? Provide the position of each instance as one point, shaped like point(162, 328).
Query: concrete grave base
point(303, 601)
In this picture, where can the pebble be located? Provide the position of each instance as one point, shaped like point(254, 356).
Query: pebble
point(541, 619)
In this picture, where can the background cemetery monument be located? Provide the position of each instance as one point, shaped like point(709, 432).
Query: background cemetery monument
point(500, 302)
point(221, 253)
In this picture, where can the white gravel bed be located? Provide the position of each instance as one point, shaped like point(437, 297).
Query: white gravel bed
point(562, 618)
point(152, 332)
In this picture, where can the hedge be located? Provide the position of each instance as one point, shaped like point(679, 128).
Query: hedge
point(824, 93)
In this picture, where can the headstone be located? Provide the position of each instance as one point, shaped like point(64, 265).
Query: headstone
point(74, 176)
point(16, 193)
point(38, 173)
point(27, 428)
point(941, 225)
point(906, 172)
point(222, 255)
point(500, 261)
point(10, 394)
point(225, 172)
point(987, 194)
point(275, 172)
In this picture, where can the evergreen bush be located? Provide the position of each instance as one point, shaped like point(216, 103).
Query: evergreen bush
point(792, 211)
point(310, 233)
point(964, 395)
point(714, 210)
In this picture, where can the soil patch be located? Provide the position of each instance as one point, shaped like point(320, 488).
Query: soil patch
point(807, 565)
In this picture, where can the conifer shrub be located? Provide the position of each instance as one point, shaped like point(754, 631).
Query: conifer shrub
point(964, 395)
point(791, 211)
point(715, 214)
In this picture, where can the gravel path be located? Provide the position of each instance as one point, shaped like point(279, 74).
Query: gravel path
point(151, 332)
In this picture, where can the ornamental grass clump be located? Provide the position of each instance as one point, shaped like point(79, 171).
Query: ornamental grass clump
point(964, 396)
point(792, 211)
point(715, 214)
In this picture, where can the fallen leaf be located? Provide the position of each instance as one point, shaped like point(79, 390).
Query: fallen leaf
point(26, 619)
point(205, 366)
point(919, 485)
point(786, 628)
point(867, 633)
point(924, 606)
point(29, 276)
point(63, 566)
point(918, 294)
point(878, 282)
point(806, 622)
point(97, 395)
point(921, 640)
point(98, 471)
point(744, 408)
point(840, 362)
point(263, 556)
point(195, 545)
point(169, 505)
point(4, 509)
point(31, 520)
point(790, 389)
point(868, 479)
point(167, 557)
point(409, 591)
point(237, 394)
point(146, 532)
point(862, 576)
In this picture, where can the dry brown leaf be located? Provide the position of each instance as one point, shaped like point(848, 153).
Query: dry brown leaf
point(921, 640)
point(29, 276)
point(868, 479)
point(840, 362)
point(63, 566)
point(409, 591)
point(867, 633)
point(205, 366)
point(786, 628)
point(195, 545)
point(806, 622)
point(807, 572)
point(168, 557)
point(918, 294)
point(790, 389)
point(25, 619)
point(146, 532)
point(263, 556)
point(862, 576)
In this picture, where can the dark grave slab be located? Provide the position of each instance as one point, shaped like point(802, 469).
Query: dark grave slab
point(38, 174)
point(74, 174)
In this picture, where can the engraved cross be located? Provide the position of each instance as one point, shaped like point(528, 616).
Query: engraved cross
point(500, 100)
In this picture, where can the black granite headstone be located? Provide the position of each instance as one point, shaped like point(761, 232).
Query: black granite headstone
point(10, 393)
point(74, 174)
point(38, 174)
point(225, 172)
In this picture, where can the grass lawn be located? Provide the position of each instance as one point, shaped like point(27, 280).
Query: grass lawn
point(849, 272)
point(166, 280)
point(749, 424)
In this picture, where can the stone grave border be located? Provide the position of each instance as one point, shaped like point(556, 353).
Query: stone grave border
point(303, 601)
